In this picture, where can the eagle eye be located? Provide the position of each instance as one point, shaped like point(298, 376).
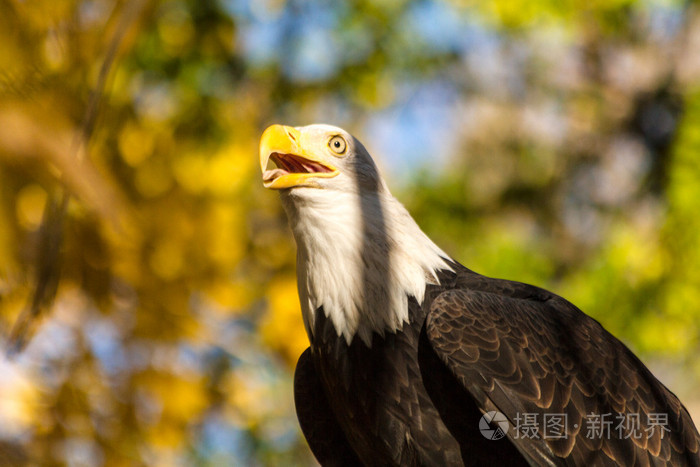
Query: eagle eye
point(337, 144)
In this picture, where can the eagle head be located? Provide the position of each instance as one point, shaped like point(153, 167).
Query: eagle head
point(360, 255)
point(316, 156)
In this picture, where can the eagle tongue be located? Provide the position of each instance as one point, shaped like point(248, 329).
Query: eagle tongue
point(273, 174)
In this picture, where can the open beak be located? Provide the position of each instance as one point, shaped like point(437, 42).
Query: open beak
point(295, 165)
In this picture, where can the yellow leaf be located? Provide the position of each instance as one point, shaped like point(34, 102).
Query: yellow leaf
point(135, 144)
point(282, 328)
point(30, 206)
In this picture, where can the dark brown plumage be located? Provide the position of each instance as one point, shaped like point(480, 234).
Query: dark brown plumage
point(410, 349)
point(479, 344)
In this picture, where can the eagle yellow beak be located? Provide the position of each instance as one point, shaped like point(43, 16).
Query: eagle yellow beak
point(295, 165)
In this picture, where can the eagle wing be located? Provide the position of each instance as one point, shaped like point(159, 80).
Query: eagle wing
point(318, 423)
point(554, 371)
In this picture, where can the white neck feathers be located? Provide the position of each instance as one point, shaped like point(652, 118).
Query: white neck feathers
point(360, 257)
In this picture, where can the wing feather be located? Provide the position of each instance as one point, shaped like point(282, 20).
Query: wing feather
point(318, 423)
point(522, 350)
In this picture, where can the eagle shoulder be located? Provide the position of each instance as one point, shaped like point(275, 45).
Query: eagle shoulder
point(524, 351)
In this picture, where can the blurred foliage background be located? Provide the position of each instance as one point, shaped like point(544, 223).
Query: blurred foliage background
point(556, 143)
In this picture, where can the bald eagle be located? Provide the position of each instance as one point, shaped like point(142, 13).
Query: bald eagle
point(416, 360)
